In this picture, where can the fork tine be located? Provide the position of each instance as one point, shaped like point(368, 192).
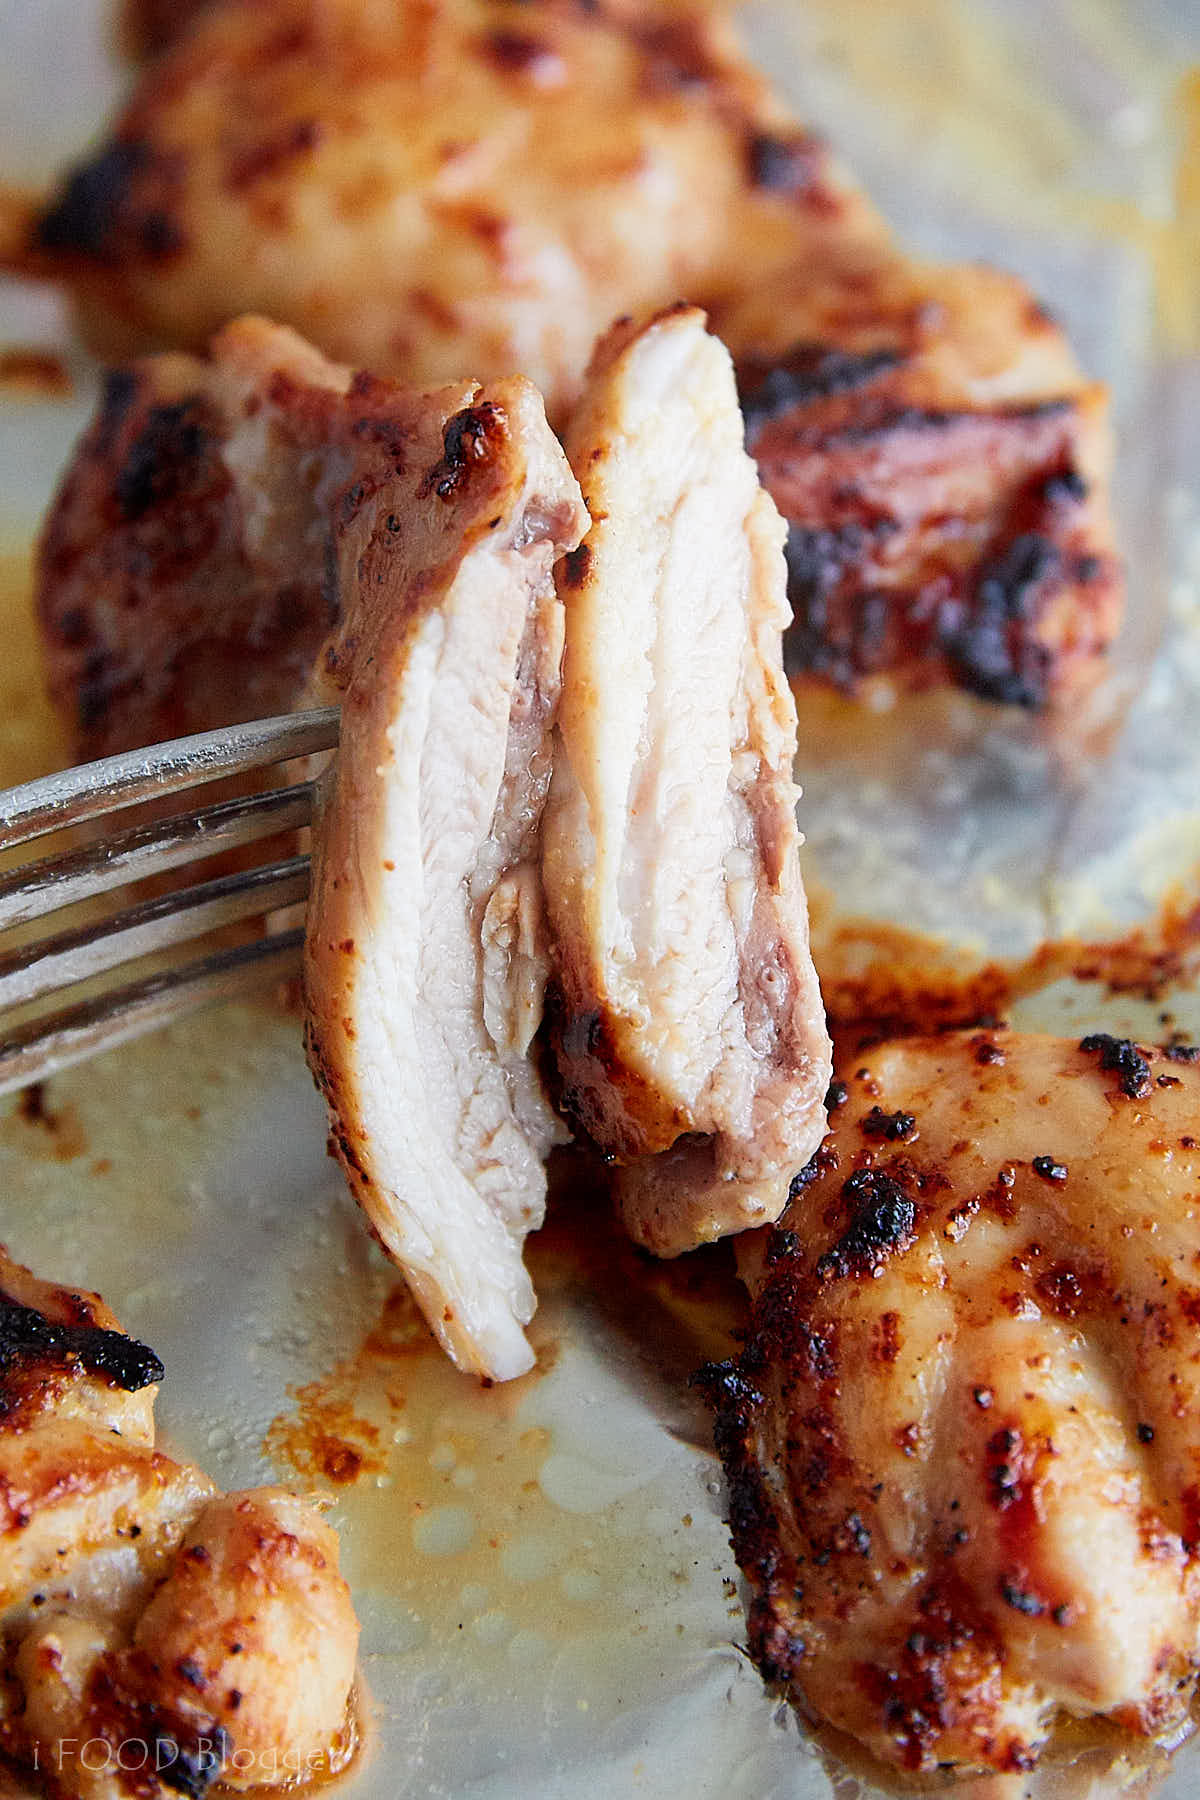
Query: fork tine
point(73, 795)
point(45, 1046)
point(158, 924)
point(35, 889)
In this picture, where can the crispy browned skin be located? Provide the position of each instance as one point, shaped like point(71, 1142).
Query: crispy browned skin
point(943, 468)
point(138, 1604)
point(433, 190)
point(963, 1439)
point(183, 576)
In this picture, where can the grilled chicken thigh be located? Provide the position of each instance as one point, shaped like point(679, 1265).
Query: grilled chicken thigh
point(943, 467)
point(690, 1040)
point(184, 567)
point(138, 1606)
point(963, 1439)
point(430, 189)
point(426, 953)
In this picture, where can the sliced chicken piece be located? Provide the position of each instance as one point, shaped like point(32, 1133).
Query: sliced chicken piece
point(963, 1439)
point(690, 1037)
point(430, 188)
point(943, 468)
point(137, 1606)
point(426, 952)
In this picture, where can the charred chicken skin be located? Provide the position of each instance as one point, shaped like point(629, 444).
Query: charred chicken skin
point(943, 468)
point(159, 1636)
point(183, 576)
point(962, 1441)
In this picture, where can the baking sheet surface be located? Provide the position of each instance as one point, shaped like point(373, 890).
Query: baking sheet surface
point(549, 1603)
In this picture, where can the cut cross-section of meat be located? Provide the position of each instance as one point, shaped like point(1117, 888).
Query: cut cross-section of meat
point(426, 953)
point(963, 1438)
point(689, 1035)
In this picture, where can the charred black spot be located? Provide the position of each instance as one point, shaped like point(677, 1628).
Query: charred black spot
point(96, 214)
point(28, 1337)
point(821, 1162)
point(1049, 1169)
point(576, 564)
point(990, 651)
point(1122, 1057)
point(1066, 488)
point(1021, 1600)
point(470, 441)
point(781, 1244)
point(99, 683)
point(74, 626)
point(893, 1126)
point(1183, 1053)
point(158, 235)
point(784, 165)
point(881, 1223)
point(162, 458)
point(836, 1095)
point(87, 214)
point(819, 560)
point(191, 1769)
point(583, 1034)
point(120, 390)
point(806, 373)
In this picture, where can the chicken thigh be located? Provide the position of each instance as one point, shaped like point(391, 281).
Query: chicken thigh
point(158, 1635)
point(963, 1439)
point(943, 467)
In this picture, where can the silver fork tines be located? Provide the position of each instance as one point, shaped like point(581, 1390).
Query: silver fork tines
point(49, 965)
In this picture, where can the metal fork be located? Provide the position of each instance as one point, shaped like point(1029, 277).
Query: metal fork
point(53, 964)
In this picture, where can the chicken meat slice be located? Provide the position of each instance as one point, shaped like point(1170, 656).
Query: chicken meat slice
point(689, 1033)
point(139, 1607)
point(426, 949)
point(430, 187)
point(963, 1438)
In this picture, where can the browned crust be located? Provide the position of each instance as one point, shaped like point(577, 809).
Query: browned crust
point(869, 1195)
point(948, 543)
